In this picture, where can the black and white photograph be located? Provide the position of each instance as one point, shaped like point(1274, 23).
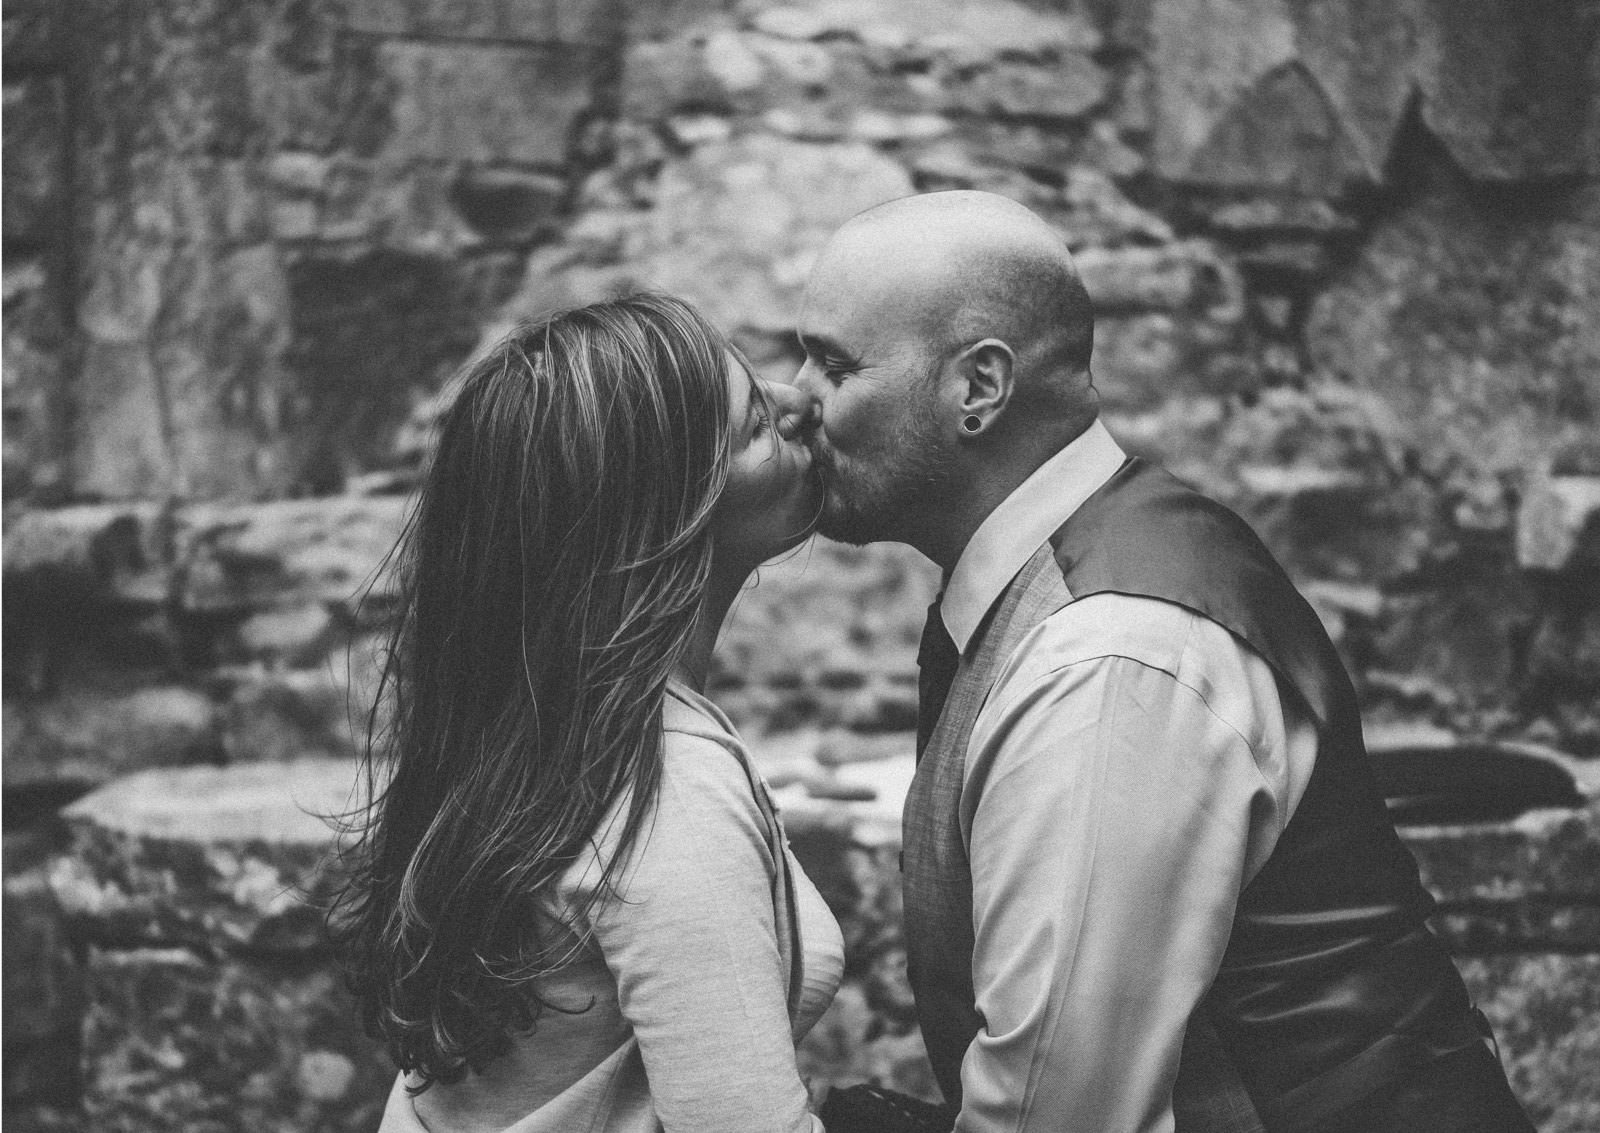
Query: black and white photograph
point(801, 566)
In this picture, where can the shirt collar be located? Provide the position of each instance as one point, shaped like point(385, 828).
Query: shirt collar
point(1012, 532)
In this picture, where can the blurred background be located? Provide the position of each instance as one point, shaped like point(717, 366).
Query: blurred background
point(1345, 256)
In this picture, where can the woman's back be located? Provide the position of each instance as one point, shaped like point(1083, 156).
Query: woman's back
point(673, 1012)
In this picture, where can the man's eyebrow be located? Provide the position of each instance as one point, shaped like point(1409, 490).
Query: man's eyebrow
point(821, 344)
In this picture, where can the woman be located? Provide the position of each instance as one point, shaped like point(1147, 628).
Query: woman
point(573, 906)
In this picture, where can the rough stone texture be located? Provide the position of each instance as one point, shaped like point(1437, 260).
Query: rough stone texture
point(1546, 1015)
point(1311, 96)
point(192, 886)
point(734, 229)
point(1344, 254)
point(91, 737)
point(283, 716)
point(174, 1041)
point(327, 550)
point(1470, 315)
point(1482, 882)
point(211, 858)
point(44, 995)
point(539, 21)
point(1558, 525)
point(212, 142)
point(510, 104)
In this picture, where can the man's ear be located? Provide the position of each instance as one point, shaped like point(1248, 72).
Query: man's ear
point(989, 367)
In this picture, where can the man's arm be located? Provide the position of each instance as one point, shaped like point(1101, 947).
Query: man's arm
point(1126, 779)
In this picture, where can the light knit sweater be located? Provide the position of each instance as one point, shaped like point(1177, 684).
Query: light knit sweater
point(688, 1028)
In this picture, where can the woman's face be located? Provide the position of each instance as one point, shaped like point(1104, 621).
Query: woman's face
point(774, 491)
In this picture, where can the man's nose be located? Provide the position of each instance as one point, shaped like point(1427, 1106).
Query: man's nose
point(798, 411)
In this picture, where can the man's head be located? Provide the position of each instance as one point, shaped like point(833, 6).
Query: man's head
point(947, 339)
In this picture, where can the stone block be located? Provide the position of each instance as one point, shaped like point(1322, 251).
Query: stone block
point(88, 736)
point(293, 635)
point(1204, 59)
point(31, 189)
point(1466, 637)
point(33, 445)
point(575, 22)
point(405, 207)
point(1560, 679)
point(1263, 93)
point(288, 716)
point(1066, 88)
point(718, 72)
point(734, 230)
point(101, 552)
point(173, 1041)
point(376, 329)
point(1280, 215)
point(324, 91)
point(44, 996)
point(289, 551)
point(662, 19)
point(1530, 885)
point(1546, 1015)
point(486, 103)
point(33, 36)
point(1144, 360)
point(1487, 380)
point(967, 32)
point(1318, 473)
point(1545, 852)
point(1180, 277)
point(1558, 524)
point(1512, 90)
point(218, 859)
point(182, 363)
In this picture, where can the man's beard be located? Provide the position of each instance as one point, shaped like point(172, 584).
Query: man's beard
point(887, 500)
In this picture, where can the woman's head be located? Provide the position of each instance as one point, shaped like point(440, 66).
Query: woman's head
point(588, 472)
point(604, 438)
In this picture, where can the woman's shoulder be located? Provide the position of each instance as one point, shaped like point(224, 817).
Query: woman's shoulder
point(693, 726)
point(705, 803)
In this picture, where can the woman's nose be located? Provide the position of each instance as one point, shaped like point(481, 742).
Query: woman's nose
point(797, 410)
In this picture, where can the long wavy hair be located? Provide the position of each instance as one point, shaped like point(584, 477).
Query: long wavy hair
point(550, 575)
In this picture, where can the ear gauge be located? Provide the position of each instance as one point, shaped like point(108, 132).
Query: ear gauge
point(971, 423)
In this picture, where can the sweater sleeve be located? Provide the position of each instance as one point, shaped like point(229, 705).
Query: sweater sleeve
point(691, 940)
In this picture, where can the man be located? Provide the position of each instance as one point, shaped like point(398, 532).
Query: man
point(1142, 821)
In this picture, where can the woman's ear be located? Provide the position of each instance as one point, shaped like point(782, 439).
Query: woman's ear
point(989, 367)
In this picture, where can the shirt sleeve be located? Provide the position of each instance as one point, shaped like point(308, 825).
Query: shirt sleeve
point(1122, 785)
point(691, 939)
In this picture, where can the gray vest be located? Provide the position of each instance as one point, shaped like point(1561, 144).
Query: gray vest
point(1331, 987)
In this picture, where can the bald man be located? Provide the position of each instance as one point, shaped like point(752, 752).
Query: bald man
point(1149, 880)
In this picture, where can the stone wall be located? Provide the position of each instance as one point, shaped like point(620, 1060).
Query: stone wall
point(1345, 259)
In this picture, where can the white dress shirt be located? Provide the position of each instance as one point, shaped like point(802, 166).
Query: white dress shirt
point(1132, 768)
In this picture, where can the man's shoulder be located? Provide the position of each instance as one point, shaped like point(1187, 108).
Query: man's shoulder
point(1104, 625)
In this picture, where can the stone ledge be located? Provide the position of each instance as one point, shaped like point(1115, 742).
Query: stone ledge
point(217, 859)
point(1547, 851)
point(173, 1041)
point(205, 556)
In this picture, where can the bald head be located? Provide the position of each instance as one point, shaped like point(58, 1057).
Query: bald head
point(957, 267)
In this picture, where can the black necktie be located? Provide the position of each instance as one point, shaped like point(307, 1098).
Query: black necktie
point(937, 658)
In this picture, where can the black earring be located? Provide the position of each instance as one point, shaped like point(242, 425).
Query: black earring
point(972, 422)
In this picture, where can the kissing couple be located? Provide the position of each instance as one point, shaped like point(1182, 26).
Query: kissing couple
point(1149, 881)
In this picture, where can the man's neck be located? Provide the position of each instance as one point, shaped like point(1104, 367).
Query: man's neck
point(988, 484)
